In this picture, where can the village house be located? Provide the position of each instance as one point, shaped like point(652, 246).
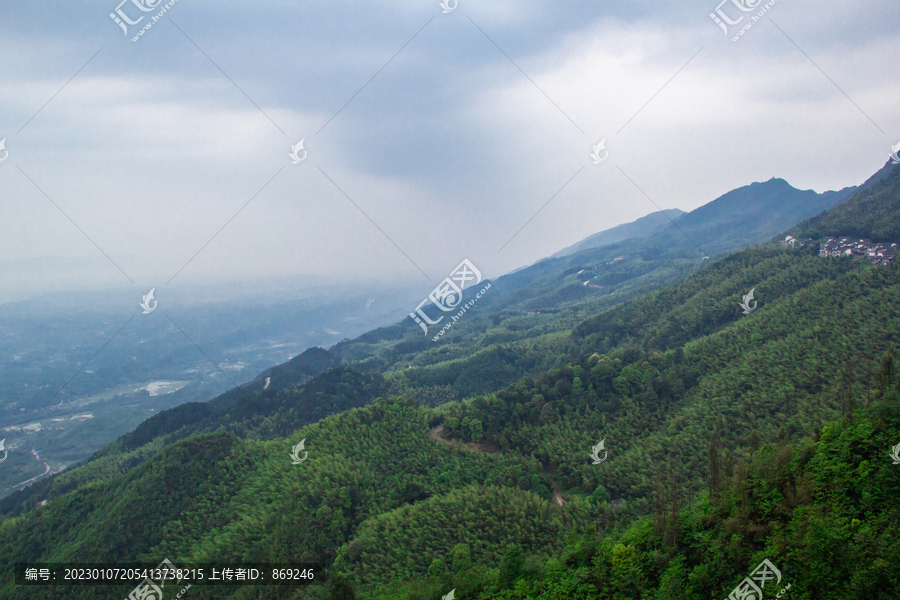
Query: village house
point(877, 254)
point(792, 242)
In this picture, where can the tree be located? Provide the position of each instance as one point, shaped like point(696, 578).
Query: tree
point(754, 442)
point(511, 566)
point(715, 477)
point(548, 414)
point(475, 430)
point(437, 568)
point(339, 588)
point(600, 495)
point(886, 372)
point(460, 557)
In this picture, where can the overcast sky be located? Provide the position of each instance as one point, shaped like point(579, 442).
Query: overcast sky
point(449, 132)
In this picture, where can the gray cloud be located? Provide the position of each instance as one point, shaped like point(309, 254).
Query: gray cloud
point(450, 150)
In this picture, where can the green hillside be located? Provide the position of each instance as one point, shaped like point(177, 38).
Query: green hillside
point(731, 438)
point(520, 328)
point(640, 228)
point(822, 511)
point(872, 214)
point(217, 497)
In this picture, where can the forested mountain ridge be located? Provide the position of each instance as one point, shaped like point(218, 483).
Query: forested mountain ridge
point(739, 218)
point(219, 497)
point(822, 511)
point(522, 325)
point(780, 367)
point(525, 311)
point(872, 213)
point(640, 228)
point(658, 378)
point(745, 216)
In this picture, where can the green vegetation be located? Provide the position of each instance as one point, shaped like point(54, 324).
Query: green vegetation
point(823, 512)
point(731, 438)
point(873, 214)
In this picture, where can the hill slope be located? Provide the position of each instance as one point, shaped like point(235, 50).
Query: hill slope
point(872, 213)
point(519, 328)
point(218, 497)
point(640, 228)
point(659, 378)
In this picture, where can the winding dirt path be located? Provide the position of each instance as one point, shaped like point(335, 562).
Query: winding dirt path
point(436, 434)
point(46, 470)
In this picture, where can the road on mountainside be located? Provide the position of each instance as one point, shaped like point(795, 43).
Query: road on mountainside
point(46, 470)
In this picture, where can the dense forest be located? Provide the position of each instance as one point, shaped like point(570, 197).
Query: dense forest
point(731, 438)
point(823, 511)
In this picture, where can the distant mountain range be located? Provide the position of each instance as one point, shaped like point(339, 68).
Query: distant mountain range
point(520, 327)
point(526, 310)
point(557, 293)
point(751, 214)
point(641, 228)
point(872, 214)
point(463, 464)
point(748, 215)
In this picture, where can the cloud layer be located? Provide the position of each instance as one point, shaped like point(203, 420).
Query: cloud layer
point(431, 137)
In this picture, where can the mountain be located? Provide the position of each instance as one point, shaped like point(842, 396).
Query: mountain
point(748, 215)
point(395, 492)
point(872, 213)
point(643, 227)
point(732, 437)
point(519, 328)
point(60, 397)
point(740, 218)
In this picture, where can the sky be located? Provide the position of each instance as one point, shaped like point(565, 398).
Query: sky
point(429, 137)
